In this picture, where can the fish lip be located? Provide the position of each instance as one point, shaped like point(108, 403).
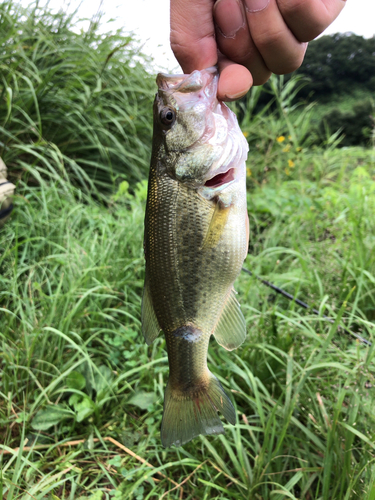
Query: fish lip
point(230, 151)
point(187, 82)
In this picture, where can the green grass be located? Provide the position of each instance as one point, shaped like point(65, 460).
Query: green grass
point(80, 392)
point(75, 367)
point(88, 94)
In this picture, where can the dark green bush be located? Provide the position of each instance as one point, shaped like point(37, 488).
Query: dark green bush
point(337, 64)
point(356, 125)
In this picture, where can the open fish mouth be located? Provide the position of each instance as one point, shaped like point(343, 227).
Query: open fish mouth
point(221, 179)
point(230, 167)
point(224, 135)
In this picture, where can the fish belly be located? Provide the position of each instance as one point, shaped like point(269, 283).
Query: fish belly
point(189, 280)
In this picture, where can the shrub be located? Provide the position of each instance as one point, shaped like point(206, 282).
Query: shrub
point(87, 95)
point(356, 125)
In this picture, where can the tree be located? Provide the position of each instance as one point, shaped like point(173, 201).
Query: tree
point(337, 64)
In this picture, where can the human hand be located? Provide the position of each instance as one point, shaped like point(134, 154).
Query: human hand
point(248, 39)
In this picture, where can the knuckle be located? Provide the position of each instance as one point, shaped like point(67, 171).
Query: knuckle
point(178, 46)
point(268, 40)
point(293, 6)
point(236, 53)
point(306, 18)
point(193, 53)
point(179, 38)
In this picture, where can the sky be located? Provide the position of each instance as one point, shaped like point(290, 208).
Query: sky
point(149, 20)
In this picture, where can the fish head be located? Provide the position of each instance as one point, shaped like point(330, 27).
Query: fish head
point(199, 142)
point(182, 107)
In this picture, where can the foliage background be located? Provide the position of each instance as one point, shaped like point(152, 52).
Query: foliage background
point(80, 392)
point(339, 76)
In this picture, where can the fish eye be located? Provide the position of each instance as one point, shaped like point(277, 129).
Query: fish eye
point(167, 116)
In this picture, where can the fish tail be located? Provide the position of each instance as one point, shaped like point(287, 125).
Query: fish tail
point(193, 411)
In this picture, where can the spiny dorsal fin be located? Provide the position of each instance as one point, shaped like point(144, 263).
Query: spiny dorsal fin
point(217, 224)
point(150, 325)
point(230, 330)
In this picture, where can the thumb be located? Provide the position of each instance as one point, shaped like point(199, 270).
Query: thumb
point(193, 34)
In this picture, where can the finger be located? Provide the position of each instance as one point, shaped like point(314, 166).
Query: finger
point(235, 80)
point(193, 34)
point(234, 39)
point(279, 48)
point(309, 18)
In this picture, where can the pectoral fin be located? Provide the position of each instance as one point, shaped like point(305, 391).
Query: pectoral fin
point(216, 227)
point(150, 325)
point(230, 330)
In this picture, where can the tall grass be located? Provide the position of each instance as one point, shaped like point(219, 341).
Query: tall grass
point(81, 393)
point(76, 371)
point(87, 95)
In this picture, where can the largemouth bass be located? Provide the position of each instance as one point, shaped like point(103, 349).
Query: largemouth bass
point(196, 239)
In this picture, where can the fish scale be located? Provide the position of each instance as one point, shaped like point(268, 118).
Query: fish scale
point(196, 239)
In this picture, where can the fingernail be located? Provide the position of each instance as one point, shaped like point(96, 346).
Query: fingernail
point(228, 17)
point(256, 5)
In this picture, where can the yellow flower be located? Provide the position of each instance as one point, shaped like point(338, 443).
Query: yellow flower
point(281, 138)
point(291, 163)
point(286, 149)
point(298, 150)
point(248, 171)
point(245, 134)
point(287, 171)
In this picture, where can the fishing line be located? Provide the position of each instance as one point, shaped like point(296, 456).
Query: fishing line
point(306, 306)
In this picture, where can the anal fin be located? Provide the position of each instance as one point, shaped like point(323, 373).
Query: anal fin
point(230, 330)
point(150, 325)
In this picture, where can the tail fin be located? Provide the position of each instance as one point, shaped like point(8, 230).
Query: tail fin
point(194, 411)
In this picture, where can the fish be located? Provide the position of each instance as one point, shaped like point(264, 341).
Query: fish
point(195, 241)
point(6, 194)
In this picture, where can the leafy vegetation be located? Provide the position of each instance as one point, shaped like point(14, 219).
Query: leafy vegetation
point(85, 94)
point(335, 64)
point(81, 393)
point(356, 125)
point(338, 75)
